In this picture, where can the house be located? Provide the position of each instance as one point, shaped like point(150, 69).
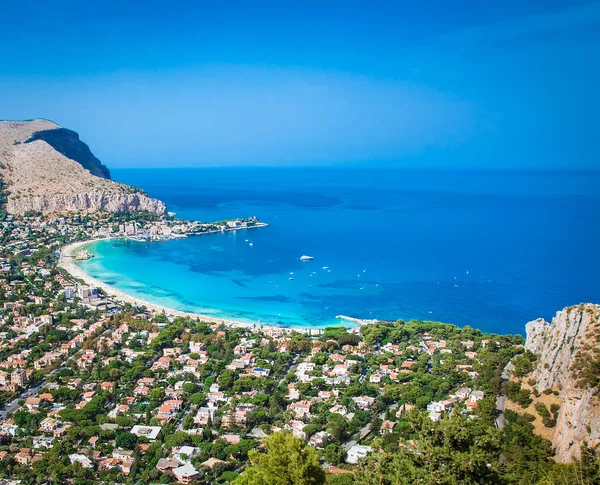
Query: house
point(185, 453)
point(364, 402)
point(301, 409)
point(293, 393)
point(83, 460)
point(204, 414)
point(166, 464)
point(463, 393)
point(387, 427)
point(357, 452)
point(297, 428)
point(121, 454)
point(33, 403)
point(166, 412)
point(232, 439)
point(211, 462)
point(107, 386)
point(375, 378)
point(260, 372)
point(185, 473)
point(48, 424)
point(43, 442)
point(23, 457)
point(150, 432)
point(319, 439)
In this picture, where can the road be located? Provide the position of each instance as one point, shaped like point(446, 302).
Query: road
point(292, 364)
point(363, 432)
point(12, 406)
point(501, 399)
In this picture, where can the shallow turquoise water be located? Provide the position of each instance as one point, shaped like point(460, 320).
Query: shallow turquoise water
point(488, 249)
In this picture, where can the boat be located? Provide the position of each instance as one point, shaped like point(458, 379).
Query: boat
point(251, 244)
point(291, 279)
point(304, 257)
point(325, 267)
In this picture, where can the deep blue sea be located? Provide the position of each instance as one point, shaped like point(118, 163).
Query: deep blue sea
point(490, 249)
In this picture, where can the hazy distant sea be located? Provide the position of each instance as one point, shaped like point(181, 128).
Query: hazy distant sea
point(488, 249)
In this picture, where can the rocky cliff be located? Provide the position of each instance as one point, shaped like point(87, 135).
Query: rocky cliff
point(47, 168)
point(68, 143)
point(568, 351)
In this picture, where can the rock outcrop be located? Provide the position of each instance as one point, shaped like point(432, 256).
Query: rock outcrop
point(566, 348)
point(68, 143)
point(46, 168)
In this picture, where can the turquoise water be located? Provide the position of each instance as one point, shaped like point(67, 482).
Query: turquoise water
point(488, 249)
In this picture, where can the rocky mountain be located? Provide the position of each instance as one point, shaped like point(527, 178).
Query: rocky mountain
point(45, 167)
point(568, 351)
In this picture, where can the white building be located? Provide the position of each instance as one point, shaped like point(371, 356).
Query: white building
point(150, 432)
point(357, 452)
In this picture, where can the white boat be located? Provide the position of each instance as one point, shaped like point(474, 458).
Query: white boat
point(304, 257)
point(251, 244)
point(325, 267)
point(291, 279)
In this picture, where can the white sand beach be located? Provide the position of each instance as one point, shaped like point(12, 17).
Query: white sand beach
point(67, 262)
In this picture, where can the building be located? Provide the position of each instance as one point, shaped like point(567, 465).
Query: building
point(387, 427)
point(18, 377)
point(86, 292)
point(150, 432)
point(186, 473)
point(357, 452)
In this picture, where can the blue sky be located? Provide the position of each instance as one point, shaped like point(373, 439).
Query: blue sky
point(405, 84)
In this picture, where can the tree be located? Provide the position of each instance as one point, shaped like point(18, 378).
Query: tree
point(334, 453)
point(453, 451)
point(288, 461)
point(126, 440)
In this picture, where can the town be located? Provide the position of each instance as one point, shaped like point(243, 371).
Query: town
point(121, 393)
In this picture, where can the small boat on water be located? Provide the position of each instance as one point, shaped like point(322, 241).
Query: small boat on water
point(291, 279)
point(304, 257)
point(325, 267)
point(250, 244)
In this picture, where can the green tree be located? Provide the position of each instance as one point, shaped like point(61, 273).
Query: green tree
point(126, 440)
point(288, 461)
point(334, 453)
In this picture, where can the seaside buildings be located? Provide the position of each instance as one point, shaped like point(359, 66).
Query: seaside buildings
point(114, 389)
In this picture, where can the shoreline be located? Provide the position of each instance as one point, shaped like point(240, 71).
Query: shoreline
point(67, 262)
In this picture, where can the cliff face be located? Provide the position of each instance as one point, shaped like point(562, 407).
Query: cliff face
point(110, 201)
point(568, 351)
point(68, 143)
point(47, 168)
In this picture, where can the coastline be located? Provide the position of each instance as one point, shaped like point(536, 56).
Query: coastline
point(67, 262)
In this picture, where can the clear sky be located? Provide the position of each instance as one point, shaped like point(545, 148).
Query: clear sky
point(479, 84)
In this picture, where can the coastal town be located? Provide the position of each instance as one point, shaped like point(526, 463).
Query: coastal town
point(101, 388)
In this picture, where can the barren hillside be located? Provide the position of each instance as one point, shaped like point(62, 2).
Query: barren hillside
point(39, 175)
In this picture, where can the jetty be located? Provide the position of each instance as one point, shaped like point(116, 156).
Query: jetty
point(360, 321)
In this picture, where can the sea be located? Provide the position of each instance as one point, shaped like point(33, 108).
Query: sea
point(489, 249)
